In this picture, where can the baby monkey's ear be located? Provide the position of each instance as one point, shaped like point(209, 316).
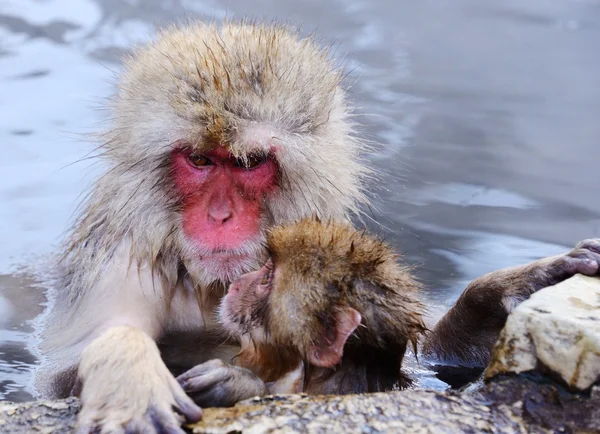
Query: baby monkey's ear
point(328, 351)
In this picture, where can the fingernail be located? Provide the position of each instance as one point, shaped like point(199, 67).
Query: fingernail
point(193, 414)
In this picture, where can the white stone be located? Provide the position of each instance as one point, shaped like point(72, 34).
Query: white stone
point(557, 329)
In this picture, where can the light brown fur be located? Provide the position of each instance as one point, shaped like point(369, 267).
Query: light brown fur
point(323, 265)
point(319, 271)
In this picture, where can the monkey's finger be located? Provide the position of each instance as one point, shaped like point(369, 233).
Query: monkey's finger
point(197, 384)
point(592, 244)
point(165, 421)
point(582, 261)
point(188, 408)
point(212, 398)
point(201, 369)
point(86, 423)
point(183, 403)
point(584, 253)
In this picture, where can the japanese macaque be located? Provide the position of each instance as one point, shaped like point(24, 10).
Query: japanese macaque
point(218, 133)
point(331, 311)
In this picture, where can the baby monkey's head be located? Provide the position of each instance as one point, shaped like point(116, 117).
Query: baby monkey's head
point(325, 287)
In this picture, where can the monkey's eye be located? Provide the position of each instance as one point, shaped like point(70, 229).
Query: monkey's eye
point(199, 160)
point(251, 161)
point(267, 278)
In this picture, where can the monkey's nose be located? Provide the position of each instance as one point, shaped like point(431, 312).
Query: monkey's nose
point(220, 216)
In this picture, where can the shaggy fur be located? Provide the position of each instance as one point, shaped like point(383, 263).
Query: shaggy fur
point(328, 265)
point(249, 87)
point(319, 269)
point(246, 86)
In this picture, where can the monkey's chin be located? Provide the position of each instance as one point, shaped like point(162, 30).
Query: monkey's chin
point(225, 266)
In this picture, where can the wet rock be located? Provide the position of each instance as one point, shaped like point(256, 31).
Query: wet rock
point(556, 331)
point(39, 417)
point(508, 404)
point(408, 411)
point(542, 405)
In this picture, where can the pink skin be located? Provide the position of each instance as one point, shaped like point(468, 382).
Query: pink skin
point(254, 278)
point(249, 285)
point(222, 202)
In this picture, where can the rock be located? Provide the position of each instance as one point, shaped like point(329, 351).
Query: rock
point(508, 404)
point(515, 404)
point(412, 411)
point(542, 405)
point(556, 331)
point(39, 417)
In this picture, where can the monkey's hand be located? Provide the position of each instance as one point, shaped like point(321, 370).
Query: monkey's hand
point(501, 291)
point(126, 387)
point(217, 384)
point(468, 332)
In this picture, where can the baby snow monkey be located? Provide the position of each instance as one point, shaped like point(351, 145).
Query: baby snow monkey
point(331, 311)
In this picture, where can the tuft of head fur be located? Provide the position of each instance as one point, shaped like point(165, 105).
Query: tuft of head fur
point(249, 87)
point(321, 267)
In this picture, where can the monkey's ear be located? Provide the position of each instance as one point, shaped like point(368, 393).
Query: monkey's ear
point(328, 352)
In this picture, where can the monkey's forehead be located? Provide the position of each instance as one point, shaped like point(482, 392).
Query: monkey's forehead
point(231, 76)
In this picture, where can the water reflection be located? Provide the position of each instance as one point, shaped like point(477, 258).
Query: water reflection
point(485, 113)
point(21, 300)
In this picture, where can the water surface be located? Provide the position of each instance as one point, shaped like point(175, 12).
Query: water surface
point(486, 112)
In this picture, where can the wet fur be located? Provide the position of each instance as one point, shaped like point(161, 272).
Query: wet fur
point(320, 268)
point(247, 86)
point(466, 335)
point(325, 265)
point(252, 88)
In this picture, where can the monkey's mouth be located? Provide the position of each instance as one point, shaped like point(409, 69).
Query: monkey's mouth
point(225, 254)
point(269, 271)
point(224, 251)
point(225, 265)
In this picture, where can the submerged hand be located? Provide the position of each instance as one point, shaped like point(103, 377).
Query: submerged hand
point(217, 384)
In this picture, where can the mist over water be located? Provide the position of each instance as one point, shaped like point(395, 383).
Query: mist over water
point(485, 116)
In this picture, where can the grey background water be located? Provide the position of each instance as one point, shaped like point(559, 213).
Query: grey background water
point(488, 114)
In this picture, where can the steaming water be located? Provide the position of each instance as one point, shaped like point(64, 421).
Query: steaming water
point(487, 113)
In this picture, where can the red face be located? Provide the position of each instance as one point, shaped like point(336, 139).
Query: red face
point(223, 200)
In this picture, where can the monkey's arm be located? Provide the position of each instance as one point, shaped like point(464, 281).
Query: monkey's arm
point(126, 386)
point(108, 336)
point(467, 333)
point(217, 384)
